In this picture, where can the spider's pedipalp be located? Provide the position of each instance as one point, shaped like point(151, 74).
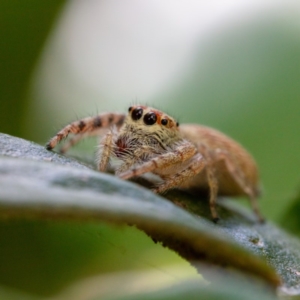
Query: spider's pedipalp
point(106, 152)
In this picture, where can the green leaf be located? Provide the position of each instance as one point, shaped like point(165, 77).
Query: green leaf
point(290, 219)
point(31, 187)
point(232, 288)
point(20, 47)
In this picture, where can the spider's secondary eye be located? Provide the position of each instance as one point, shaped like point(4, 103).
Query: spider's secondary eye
point(150, 118)
point(130, 108)
point(137, 113)
point(164, 122)
point(177, 124)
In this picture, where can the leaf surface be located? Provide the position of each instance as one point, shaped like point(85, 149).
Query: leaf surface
point(38, 184)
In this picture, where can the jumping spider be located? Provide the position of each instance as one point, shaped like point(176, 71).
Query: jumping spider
point(188, 156)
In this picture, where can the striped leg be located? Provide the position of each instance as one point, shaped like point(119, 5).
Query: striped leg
point(86, 127)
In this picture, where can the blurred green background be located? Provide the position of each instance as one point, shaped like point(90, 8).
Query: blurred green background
point(232, 66)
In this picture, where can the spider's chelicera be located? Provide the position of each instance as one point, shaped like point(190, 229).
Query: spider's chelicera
point(188, 156)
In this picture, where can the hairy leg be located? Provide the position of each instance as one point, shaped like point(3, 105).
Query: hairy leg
point(211, 179)
point(106, 151)
point(213, 191)
point(133, 158)
point(70, 143)
point(78, 137)
point(183, 152)
point(195, 166)
point(87, 126)
point(241, 181)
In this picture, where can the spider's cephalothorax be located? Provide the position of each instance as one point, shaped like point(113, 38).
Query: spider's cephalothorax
point(189, 156)
point(145, 131)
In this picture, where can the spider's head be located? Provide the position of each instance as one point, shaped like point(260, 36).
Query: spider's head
point(151, 118)
point(152, 122)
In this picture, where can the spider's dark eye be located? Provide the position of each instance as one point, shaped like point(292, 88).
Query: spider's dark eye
point(130, 108)
point(150, 118)
point(164, 122)
point(137, 113)
point(177, 124)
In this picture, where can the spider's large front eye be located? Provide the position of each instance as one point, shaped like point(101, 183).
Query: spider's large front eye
point(137, 113)
point(150, 118)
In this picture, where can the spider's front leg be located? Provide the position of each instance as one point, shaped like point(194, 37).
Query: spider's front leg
point(195, 166)
point(89, 126)
point(180, 154)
